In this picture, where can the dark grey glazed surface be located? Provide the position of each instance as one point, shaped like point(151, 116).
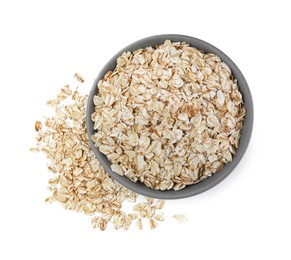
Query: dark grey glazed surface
point(214, 179)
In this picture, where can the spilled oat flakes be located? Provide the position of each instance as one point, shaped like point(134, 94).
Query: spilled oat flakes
point(169, 116)
point(78, 181)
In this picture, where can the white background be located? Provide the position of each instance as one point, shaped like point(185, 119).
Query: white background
point(43, 43)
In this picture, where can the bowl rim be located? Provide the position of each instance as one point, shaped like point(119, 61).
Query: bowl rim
point(209, 182)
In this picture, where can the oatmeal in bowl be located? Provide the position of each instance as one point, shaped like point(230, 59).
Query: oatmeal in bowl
point(169, 116)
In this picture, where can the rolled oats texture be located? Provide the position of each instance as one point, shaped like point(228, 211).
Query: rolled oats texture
point(168, 116)
point(78, 181)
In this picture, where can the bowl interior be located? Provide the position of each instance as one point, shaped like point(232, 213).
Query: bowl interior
point(228, 167)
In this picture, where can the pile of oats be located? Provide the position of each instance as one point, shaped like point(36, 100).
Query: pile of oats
point(79, 182)
point(168, 116)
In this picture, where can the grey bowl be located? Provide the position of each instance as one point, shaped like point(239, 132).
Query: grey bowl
point(214, 179)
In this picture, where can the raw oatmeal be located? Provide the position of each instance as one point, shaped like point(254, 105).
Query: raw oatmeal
point(78, 181)
point(168, 116)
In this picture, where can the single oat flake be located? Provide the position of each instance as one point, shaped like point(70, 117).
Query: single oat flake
point(37, 126)
point(78, 77)
point(180, 218)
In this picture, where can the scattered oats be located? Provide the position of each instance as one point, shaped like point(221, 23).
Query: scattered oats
point(98, 222)
point(159, 217)
point(142, 213)
point(50, 199)
point(79, 182)
point(53, 102)
point(75, 95)
point(64, 93)
point(133, 216)
point(118, 220)
point(78, 77)
point(37, 126)
point(153, 224)
point(66, 90)
point(150, 210)
point(180, 217)
point(103, 225)
point(128, 222)
point(34, 149)
point(160, 204)
point(164, 108)
point(139, 224)
point(131, 197)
